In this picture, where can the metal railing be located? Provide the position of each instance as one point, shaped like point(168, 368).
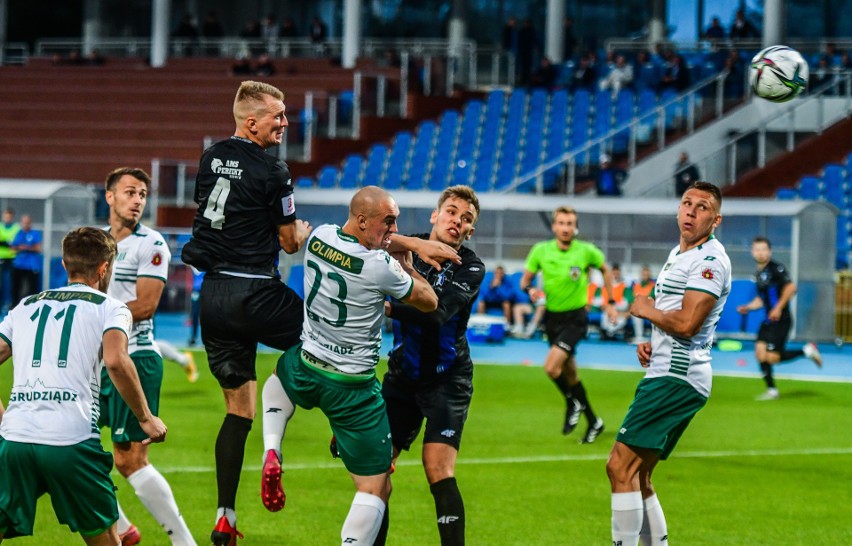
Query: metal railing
point(738, 162)
point(689, 106)
point(14, 53)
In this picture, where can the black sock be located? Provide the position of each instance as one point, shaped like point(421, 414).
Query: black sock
point(562, 385)
point(766, 368)
point(580, 394)
point(230, 449)
point(790, 355)
point(382, 537)
point(450, 509)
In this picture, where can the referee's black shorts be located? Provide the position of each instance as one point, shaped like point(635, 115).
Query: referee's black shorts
point(444, 404)
point(565, 329)
point(238, 313)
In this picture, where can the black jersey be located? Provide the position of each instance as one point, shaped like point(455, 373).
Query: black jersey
point(243, 195)
point(770, 283)
point(428, 346)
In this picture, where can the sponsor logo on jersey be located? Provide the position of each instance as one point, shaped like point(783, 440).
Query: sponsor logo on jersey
point(65, 295)
point(230, 168)
point(707, 274)
point(474, 269)
point(157, 259)
point(439, 282)
point(575, 273)
point(39, 392)
point(335, 257)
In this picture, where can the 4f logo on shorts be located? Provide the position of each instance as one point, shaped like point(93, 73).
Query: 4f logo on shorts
point(449, 433)
point(447, 519)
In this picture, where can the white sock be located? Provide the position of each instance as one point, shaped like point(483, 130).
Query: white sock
point(155, 494)
point(627, 514)
point(645, 533)
point(364, 520)
point(658, 530)
point(277, 410)
point(228, 513)
point(123, 524)
point(170, 352)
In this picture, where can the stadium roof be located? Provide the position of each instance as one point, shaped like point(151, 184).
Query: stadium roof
point(19, 188)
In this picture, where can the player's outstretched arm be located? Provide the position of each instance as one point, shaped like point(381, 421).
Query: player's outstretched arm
point(123, 373)
point(422, 296)
point(433, 253)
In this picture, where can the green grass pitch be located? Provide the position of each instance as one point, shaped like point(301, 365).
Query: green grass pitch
point(745, 472)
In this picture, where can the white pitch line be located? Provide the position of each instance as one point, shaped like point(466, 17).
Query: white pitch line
point(536, 459)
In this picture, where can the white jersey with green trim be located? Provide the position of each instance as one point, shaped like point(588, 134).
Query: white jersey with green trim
point(56, 338)
point(143, 253)
point(706, 268)
point(345, 289)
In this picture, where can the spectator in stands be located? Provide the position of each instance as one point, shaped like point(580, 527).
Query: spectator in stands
point(646, 72)
point(251, 30)
point(831, 53)
point(685, 174)
point(821, 74)
point(531, 311)
point(317, 31)
point(644, 287)
point(546, 76)
point(584, 76)
point(527, 44)
point(212, 27)
point(609, 178)
point(735, 75)
point(269, 27)
point(510, 37)
point(619, 76)
point(28, 259)
point(8, 230)
point(676, 74)
point(742, 27)
point(499, 294)
point(612, 326)
point(241, 66)
point(569, 46)
point(288, 29)
point(187, 33)
point(715, 32)
point(264, 66)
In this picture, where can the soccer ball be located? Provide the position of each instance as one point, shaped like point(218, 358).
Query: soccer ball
point(778, 74)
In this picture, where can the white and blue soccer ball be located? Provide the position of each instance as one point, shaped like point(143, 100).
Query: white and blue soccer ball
point(778, 74)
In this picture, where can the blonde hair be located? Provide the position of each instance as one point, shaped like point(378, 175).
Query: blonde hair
point(562, 210)
point(250, 99)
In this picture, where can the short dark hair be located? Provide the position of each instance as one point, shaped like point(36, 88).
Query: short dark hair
point(139, 174)
point(85, 249)
point(762, 239)
point(712, 189)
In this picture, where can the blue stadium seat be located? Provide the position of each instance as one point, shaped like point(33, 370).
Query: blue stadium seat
point(352, 167)
point(304, 182)
point(328, 177)
point(421, 156)
point(786, 194)
point(624, 111)
point(397, 161)
point(809, 187)
point(375, 167)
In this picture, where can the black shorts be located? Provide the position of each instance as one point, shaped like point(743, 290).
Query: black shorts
point(237, 314)
point(444, 405)
point(774, 334)
point(565, 329)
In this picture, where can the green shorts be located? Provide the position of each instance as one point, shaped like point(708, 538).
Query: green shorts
point(353, 405)
point(659, 414)
point(116, 414)
point(76, 478)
